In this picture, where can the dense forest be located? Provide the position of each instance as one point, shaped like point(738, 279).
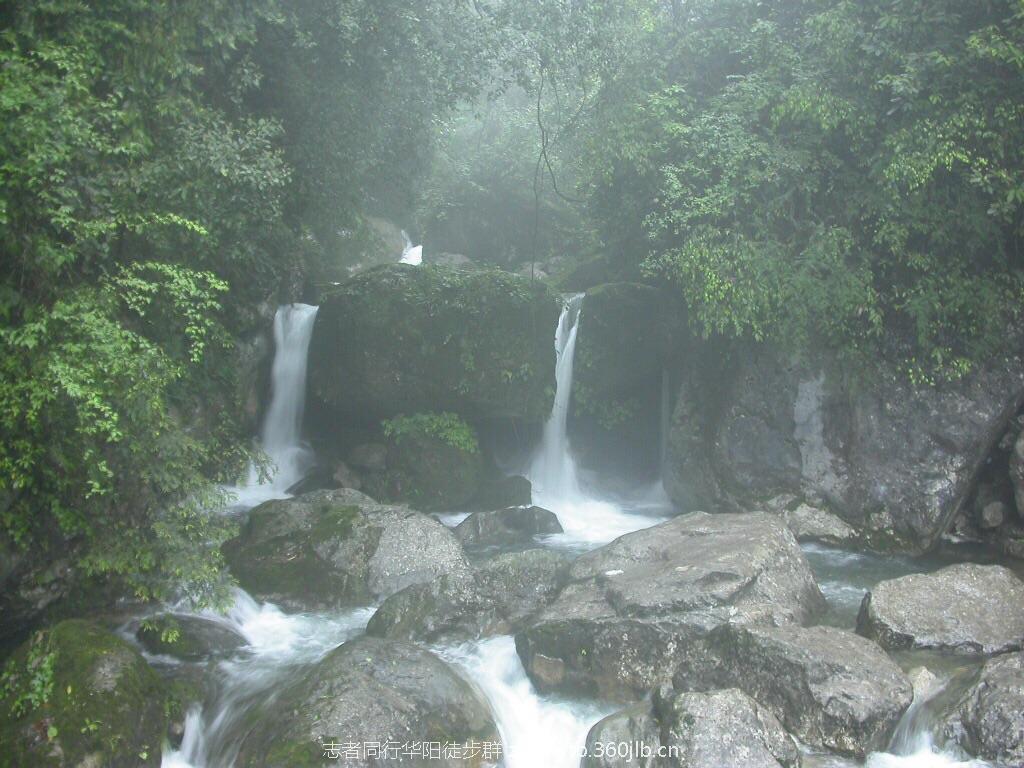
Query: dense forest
point(805, 175)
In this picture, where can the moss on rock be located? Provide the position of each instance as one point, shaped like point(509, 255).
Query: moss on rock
point(404, 339)
point(77, 694)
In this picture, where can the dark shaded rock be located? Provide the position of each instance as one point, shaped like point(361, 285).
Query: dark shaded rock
point(502, 492)
point(406, 339)
point(372, 457)
point(195, 637)
point(965, 608)
point(498, 597)
point(427, 471)
point(338, 548)
point(320, 479)
point(988, 720)
point(513, 525)
point(103, 704)
point(636, 607)
point(369, 690)
point(1017, 473)
point(894, 460)
point(831, 688)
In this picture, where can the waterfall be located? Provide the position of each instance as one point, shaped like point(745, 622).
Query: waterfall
point(281, 435)
point(553, 472)
point(411, 254)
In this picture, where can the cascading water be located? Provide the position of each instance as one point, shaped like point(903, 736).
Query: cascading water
point(281, 437)
point(411, 254)
point(553, 471)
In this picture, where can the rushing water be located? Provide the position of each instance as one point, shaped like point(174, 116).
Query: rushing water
point(411, 254)
point(535, 730)
point(586, 519)
point(281, 436)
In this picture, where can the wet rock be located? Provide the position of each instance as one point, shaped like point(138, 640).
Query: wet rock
point(988, 720)
point(403, 339)
point(812, 524)
point(831, 688)
point(634, 608)
point(503, 492)
point(1017, 473)
point(369, 690)
point(77, 695)
point(498, 597)
point(514, 525)
point(992, 515)
point(338, 548)
point(965, 608)
point(629, 728)
point(724, 729)
point(191, 638)
point(893, 460)
point(345, 477)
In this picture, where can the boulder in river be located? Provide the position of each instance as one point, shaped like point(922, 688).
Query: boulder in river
point(831, 688)
point(339, 548)
point(894, 460)
point(965, 608)
point(187, 637)
point(712, 729)
point(498, 597)
point(812, 524)
point(404, 339)
point(514, 525)
point(369, 690)
point(634, 609)
point(988, 720)
point(78, 695)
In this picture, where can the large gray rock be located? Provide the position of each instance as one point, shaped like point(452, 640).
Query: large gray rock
point(188, 637)
point(1017, 473)
point(965, 608)
point(406, 339)
point(812, 524)
point(894, 460)
point(988, 721)
point(635, 607)
point(339, 548)
point(514, 525)
point(713, 729)
point(497, 598)
point(829, 687)
point(369, 690)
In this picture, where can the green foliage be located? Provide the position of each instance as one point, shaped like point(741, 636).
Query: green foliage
point(27, 683)
point(447, 427)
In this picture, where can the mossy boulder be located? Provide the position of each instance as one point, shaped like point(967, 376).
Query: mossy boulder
point(331, 549)
point(78, 695)
point(406, 339)
point(433, 462)
point(369, 690)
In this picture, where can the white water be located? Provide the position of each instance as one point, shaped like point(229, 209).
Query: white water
point(278, 644)
point(411, 254)
point(535, 731)
point(281, 437)
point(586, 519)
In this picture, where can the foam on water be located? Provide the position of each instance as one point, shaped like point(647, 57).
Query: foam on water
point(535, 730)
point(411, 254)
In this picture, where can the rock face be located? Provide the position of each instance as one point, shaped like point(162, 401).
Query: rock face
point(635, 608)
point(988, 721)
point(895, 461)
point(502, 492)
point(506, 526)
point(812, 524)
point(1017, 473)
point(369, 690)
point(103, 704)
point(714, 729)
point(339, 548)
point(196, 638)
point(829, 687)
point(406, 339)
point(498, 597)
point(965, 608)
